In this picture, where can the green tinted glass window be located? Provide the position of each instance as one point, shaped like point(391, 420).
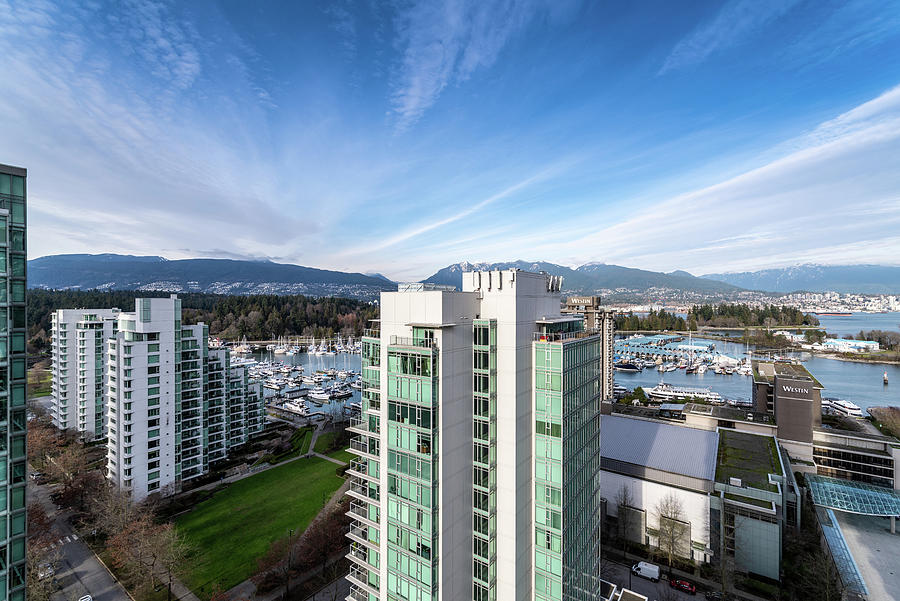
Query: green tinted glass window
point(18, 185)
point(18, 292)
point(5, 183)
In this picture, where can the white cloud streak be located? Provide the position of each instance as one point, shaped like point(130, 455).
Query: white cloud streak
point(736, 20)
point(446, 42)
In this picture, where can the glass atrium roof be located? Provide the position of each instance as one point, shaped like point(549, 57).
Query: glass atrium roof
point(854, 497)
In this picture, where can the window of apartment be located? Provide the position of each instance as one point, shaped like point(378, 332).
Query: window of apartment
point(153, 444)
point(152, 454)
point(153, 485)
point(153, 348)
point(153, 475)
point(152, 359)
point(153, 380)
point(152, 412)
point(153, 370)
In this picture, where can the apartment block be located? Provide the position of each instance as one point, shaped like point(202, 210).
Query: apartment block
point(478, 444)
point(78, 385)
point(13, 381)
point(174, 406)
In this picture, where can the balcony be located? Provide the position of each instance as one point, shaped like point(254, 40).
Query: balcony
point(360, 425)
point(364, 446)
point(360, 511)
point(359, 534)
point(360, 589)
point(360, 555)
point(360, 470)
point(360, 489)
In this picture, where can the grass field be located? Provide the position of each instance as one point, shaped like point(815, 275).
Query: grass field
point(324, 443)
point(39, 378)
point(230, 531)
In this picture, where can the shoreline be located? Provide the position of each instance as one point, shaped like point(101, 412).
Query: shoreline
point(853, 360)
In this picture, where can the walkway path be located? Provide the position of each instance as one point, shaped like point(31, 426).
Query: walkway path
point(262, 468)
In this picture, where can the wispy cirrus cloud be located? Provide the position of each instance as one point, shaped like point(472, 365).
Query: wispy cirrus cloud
point(443, 43)
point(831, 198)
point(736, 20)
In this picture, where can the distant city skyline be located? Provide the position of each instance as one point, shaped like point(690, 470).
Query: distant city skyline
point(707, 137)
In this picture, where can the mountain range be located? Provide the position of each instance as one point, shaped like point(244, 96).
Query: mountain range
point(860, 279)
point(230, 276)
point(217, 276)
point(591, 277)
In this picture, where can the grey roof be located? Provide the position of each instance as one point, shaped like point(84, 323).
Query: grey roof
point(673, 449)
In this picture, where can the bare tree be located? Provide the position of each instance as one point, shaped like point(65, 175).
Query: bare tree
point(671, 526)
point(40, 565)
point(624, 517)
point(148, 553)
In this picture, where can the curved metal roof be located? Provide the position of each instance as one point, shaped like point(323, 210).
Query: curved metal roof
point(854, 497)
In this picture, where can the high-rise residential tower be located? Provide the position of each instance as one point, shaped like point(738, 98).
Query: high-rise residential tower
point(479, 446)
point(173, 405)
point(78, 387)
point(13, 380)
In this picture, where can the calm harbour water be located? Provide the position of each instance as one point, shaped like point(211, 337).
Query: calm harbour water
point(861, 383)
point(312, 363)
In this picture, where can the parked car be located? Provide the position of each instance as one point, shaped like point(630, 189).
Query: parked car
point(683, 585)
point(86, 598)
point(646, 570)
point(45, 570)
point(35, 475)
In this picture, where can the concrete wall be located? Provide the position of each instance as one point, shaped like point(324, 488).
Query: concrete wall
point(646, 495)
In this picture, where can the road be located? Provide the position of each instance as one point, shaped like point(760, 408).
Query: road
point(79, 572)
point(655, 591)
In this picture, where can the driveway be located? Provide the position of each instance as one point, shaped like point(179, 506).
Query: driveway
point(79, 572)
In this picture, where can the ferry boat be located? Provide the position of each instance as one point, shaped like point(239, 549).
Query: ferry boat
point(842, 407)
point(666, 392)
point(834, 313)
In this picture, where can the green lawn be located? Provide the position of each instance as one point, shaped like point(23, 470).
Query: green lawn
point(325, 441)
point(236, 526)
point(39, 379)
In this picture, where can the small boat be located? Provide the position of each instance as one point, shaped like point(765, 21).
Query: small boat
point(885, 378)
point(319, 394)
point(627, 366)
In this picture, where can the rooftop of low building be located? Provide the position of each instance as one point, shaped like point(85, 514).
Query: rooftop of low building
point(765, 371)
point(747, 457)
point(659, 446)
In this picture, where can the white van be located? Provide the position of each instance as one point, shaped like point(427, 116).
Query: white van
point(646, 570)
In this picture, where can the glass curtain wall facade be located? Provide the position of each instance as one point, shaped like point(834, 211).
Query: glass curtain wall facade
point(364, 472)
point(484, 460)
point(568, 385)
point(412, 532)
point(12, 376)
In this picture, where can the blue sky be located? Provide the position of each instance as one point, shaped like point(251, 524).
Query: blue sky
point(401, 137)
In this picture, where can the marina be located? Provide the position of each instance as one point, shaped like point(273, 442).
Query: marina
point(320, 382)
point(857, 382)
